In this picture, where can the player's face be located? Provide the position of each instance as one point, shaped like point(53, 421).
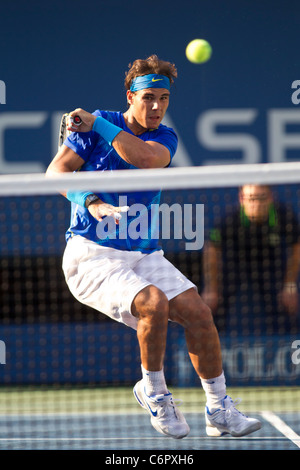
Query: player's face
point(256, 201)
point(147, 108)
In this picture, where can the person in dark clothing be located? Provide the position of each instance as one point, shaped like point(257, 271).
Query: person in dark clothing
point(251, 266)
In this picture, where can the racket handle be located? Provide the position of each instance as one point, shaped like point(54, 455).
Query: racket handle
point(76, 120)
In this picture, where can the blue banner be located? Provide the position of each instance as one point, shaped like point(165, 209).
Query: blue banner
point(107, 353)
point(250, 361)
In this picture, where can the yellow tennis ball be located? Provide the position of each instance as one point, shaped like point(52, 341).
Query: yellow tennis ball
point(198, 51)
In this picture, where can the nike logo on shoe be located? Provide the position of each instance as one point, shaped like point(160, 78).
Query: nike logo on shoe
point(165, 417)
point(154, 413)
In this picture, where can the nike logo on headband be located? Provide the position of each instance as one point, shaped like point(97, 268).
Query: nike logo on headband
point(150, 81)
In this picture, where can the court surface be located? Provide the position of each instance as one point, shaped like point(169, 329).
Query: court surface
point(110, 419)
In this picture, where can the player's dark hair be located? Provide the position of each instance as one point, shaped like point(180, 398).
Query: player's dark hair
point(151, 65)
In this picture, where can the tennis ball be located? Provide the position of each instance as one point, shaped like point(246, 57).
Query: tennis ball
point(198, 51)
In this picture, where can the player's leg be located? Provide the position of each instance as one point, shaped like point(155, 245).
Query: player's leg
point(151, 307)
point(104, 279)
point(204, 349)
point(189, 310)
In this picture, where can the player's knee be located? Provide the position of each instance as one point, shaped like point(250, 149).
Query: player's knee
point(151, 303)
point(192, 312)
point(206, 317)
point(199, 316)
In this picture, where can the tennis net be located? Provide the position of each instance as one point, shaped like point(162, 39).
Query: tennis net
point(67, 370)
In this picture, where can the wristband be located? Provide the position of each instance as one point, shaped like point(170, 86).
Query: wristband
point(106, 129)
point(78, 197)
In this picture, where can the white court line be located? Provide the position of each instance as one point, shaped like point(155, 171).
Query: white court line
point(281, 426)
point(225, 438)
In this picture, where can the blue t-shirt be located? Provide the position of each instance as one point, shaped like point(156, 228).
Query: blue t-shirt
point(138, 229)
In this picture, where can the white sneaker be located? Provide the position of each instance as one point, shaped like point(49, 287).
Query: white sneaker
point(228, 420)
point(165, 416)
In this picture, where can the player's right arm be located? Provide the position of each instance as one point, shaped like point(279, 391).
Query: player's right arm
point(67, 161)
point(136, 152)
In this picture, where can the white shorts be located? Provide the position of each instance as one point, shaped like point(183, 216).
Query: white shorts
point(108, 280)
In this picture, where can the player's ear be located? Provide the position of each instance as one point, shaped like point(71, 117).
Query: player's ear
point(130, 96)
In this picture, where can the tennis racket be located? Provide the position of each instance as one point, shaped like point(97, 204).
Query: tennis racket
point(63, 129)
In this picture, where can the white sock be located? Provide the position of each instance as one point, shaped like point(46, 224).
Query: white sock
point(154, 381)
point(215, 390)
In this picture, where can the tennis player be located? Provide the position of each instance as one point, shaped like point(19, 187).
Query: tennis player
point(127, 277)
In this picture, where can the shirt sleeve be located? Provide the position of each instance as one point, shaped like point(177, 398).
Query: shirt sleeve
point(167, 137)
point(215, 235)
point(82, 143)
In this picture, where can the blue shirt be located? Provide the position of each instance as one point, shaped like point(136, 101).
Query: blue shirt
point(138, 229)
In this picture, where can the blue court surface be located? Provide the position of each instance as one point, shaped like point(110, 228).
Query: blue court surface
point(113, 421)
point(122, 432)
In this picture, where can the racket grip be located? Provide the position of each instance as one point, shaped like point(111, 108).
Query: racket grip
point(76, 121)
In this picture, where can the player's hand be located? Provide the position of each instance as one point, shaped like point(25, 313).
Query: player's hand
point(99, 209)
point(87, 121)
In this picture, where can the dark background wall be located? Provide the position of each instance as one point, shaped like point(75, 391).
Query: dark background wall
point(63, 54)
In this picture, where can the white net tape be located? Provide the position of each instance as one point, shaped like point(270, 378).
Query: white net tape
point(152, 179)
